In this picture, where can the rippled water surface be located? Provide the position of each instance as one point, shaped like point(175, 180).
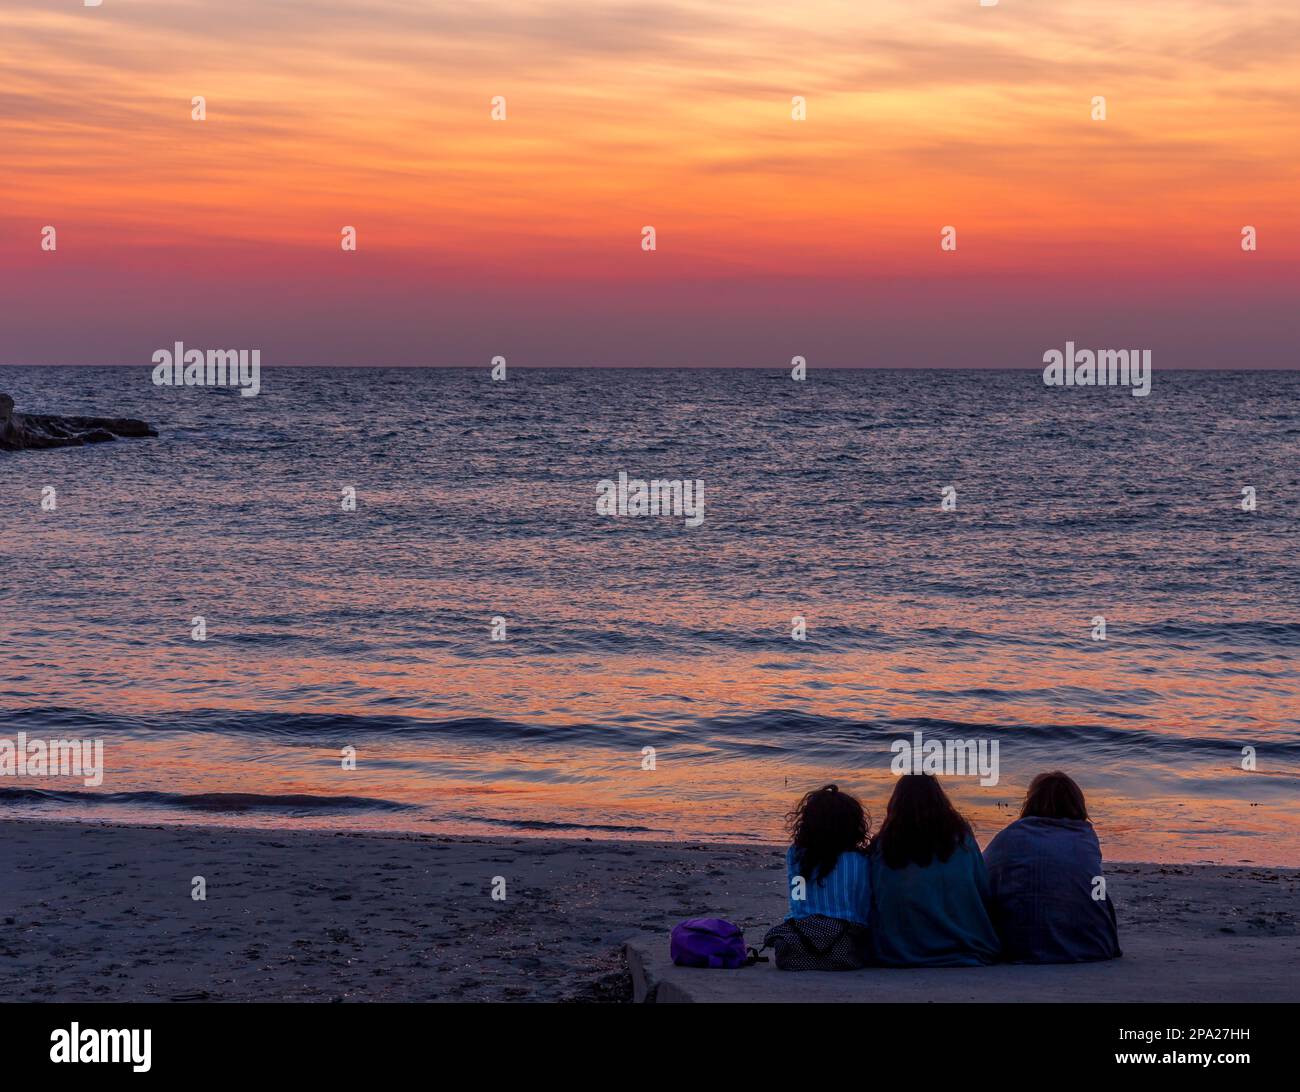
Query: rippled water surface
point(371, 629)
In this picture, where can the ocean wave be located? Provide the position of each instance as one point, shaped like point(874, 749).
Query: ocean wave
point(235, 802)
point(760, 732)
point(795, 731)
point(1282, 634)
point(542, 824)
point(311, 728)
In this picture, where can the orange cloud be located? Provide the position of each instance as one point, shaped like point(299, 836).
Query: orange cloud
point(920, 114)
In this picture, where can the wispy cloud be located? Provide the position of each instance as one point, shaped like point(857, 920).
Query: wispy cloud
point(376, 113)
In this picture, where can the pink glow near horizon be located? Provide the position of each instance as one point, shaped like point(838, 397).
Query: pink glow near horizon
point(775, 237)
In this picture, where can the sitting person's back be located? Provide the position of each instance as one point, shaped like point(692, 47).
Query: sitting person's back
point(1045, 880)
point(843, 893)
point(929, 889)
point(826, 869)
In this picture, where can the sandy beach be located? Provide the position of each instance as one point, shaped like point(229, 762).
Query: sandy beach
point(105, 913)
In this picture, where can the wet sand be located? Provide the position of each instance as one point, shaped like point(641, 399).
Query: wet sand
point(105, 913)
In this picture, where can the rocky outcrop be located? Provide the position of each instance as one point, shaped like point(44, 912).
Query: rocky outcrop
point(27, 430)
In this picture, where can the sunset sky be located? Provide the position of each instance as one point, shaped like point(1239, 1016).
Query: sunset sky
point(775, 237)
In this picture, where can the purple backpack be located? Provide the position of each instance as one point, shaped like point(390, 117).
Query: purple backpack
point(709, 942)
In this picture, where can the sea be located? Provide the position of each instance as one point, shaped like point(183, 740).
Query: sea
point(415, 616)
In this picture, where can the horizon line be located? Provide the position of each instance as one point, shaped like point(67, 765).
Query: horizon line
point(777, 368)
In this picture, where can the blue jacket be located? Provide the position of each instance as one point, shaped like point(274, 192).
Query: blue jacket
point(934, 916)
point(1042, 878)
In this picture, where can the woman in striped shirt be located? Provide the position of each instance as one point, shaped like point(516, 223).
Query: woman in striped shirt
point(826, 865)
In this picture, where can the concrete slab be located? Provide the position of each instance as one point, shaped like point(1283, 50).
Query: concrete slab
point(1222, 969)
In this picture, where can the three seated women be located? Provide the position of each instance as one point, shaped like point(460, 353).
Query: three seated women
point(919, 893)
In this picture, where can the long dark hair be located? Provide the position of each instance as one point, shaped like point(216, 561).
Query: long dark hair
point(920, 824)
point(1054, 795)
point(824, 824)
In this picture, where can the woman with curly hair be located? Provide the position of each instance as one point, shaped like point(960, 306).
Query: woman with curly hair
point(826, 866)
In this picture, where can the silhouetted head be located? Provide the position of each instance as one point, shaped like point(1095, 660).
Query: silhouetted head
point(6, 407)
point(1054, 796)
point(920, 826)
point(824, 824)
